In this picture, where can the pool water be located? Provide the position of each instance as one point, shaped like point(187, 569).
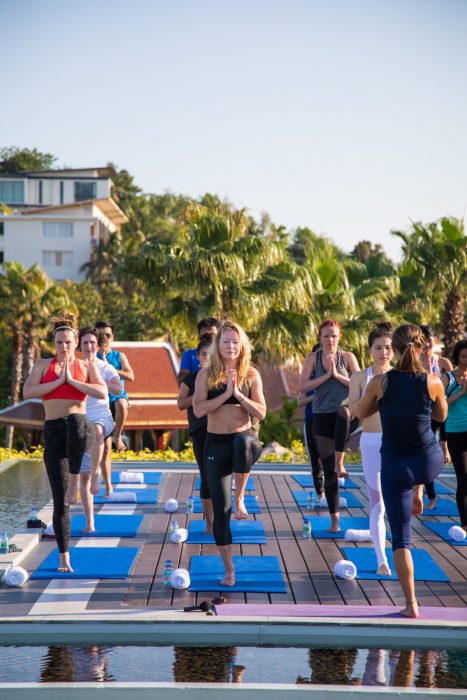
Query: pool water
point(273, 665)
point(22, 486)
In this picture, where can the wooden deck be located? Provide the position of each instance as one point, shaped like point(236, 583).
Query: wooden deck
point(306, 564)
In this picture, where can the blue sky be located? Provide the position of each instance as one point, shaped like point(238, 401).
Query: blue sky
point(347, 116)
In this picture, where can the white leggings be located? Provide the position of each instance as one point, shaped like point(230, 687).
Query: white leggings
point(370, 445)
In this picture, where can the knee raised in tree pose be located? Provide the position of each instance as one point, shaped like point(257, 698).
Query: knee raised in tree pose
point(63, 384)
point(407, 398)
point(455, 383)
point(379, 342)
point(229, 391)
point(328, 372)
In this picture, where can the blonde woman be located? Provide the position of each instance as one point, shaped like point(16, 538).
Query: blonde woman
point(229, 391)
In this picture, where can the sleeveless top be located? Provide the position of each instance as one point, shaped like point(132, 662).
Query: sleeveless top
point(217, 391)
point(64, 391)
point(113, 357)
point(456, 422)
point(331, 395)
point(194, 423)
point(405, 410)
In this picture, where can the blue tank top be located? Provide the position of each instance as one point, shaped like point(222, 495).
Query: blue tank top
point(405, 411)
point(113, 358)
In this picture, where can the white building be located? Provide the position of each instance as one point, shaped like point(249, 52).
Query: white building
point(58, 216)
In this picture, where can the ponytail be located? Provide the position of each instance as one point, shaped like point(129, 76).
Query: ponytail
point(409, 340)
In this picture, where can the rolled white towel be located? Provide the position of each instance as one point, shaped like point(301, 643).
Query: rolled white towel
point(357, 535)
point(171, 505)
point(16, 576)
point(345, 569)
point(324, 504)
point(457, 533)
point(178, 536)
point(341, 480)
point(48, 531)
point(131, 478)
point(122, 497)
point(180, 579)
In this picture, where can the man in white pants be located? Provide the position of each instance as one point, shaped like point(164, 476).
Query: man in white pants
point(98, 412)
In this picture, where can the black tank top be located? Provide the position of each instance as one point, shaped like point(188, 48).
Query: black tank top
point(217, 391)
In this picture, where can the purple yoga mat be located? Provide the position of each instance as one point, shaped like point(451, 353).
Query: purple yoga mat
point(339, 611)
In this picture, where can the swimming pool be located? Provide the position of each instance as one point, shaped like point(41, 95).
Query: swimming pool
point(22, 486)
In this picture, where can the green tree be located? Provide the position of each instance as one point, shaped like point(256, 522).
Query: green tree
point(14, 159)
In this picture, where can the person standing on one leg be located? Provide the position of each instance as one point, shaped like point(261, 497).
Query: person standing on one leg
point(407, 398)
point(229, 391)
point(379, 342)
point(197, 428)
point(118, 402)
point(98, 412)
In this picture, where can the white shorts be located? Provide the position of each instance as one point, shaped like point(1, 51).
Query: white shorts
point(108, 426)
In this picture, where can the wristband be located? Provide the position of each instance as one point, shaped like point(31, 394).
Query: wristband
point(243, 399)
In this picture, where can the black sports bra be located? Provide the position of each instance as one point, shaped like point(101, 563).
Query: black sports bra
point(214, 393)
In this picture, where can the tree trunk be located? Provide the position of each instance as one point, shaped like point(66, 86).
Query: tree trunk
point(453, 319)
point(16, 379)
point(31, 350)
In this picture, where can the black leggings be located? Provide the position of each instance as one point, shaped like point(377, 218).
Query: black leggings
point(457, 446)
point(435, 426)
point(198, 439)
point(331, 432)
point(65, 442)
point(224, 454)
point(313, 456)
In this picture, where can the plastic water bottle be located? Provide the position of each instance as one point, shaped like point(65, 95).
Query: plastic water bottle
point(33, 514)
point(312, 499)
point(306, 529)
point(173, 527)
point(168, 569)
point(4, 547)
point(190, 505)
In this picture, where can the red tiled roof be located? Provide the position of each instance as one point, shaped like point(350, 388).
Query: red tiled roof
point(155, 366)
point(149, 416)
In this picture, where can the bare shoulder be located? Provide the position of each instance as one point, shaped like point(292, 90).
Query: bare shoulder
point(202, 376)
point(359, 375)
point(444, 364)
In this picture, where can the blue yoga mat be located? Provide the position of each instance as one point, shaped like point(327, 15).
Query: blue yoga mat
point(251, 504)
point(441, 488)
point(302, 500)
point(260, 574)
point(319, 525)
point(90, 562)
point(107, 525)
point(153, 478)
point(243, 532)
point(306, 481)
point(250, 483)
point(443, 507)
point(442, 529)
point(364, 558)
point(142, 496)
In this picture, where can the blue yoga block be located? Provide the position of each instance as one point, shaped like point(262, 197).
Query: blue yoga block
point(90, 562)
point(364, 558)
point(253, 574)
point(243, 532)
point(107, 525)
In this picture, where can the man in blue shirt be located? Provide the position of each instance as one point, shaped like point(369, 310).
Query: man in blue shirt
point(206, 327)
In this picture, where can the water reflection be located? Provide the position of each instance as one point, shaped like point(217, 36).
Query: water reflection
point(207, 665)
point(76, 664)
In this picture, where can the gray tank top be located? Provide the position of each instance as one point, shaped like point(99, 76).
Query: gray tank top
point(331, 395)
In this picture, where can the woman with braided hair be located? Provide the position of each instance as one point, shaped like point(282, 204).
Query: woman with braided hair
point(407, 398)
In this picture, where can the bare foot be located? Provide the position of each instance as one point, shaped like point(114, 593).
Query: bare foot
point(241, 512)
point(410, 610)
point(108, 491)
point(64, 564)
point(431, 504)
point(383, 570)
point(88, 529)
point(229, 579)
point(121, 447)
point(335, 526)
point(417, 508)
point(208, 529)
point(94, 487)
point(72, 491)
point(341, 471)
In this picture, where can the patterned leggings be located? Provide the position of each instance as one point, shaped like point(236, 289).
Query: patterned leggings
point(65, 442)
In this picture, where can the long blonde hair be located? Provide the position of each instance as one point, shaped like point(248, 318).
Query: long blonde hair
point(216, 369)
point(408, 340)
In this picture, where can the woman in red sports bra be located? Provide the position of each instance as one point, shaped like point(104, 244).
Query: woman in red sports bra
point(63, 384)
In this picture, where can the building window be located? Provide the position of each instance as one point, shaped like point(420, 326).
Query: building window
point(62, 189)
point(2, 257)
point(2, 228)
point(41, 191)
point(57, 258)
point(85, 190)
point(57, 229)
point(11, 192)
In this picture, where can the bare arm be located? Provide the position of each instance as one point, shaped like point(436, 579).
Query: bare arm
point(33, 389)
point(368, 404)
point(114, 386)
point(436, 391)
point(304, 400)
point(126, 371)
point(182, 373)
point(202, 406)
point(184, 401)
point(355, 390)
point(96, 387)
point(255, 404)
